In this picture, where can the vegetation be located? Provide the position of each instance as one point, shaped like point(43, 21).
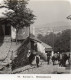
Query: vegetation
point(60, 41)
point(22, 16)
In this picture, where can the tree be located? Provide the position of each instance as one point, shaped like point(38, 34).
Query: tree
point(48, 39)
point(69, 17)
point(60, 41)
point(22, 16)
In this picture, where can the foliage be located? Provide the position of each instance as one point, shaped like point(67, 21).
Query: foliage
point(60, 41)
point(22, 16)
point(48, 39)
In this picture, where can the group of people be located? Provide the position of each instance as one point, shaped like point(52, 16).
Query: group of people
point(61, 58)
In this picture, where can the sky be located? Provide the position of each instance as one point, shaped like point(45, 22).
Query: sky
point(50, 11)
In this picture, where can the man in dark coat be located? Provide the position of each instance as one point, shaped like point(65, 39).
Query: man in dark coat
point(48, 57)
point(37, 60)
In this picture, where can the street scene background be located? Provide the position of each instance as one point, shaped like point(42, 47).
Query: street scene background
point(35, 37)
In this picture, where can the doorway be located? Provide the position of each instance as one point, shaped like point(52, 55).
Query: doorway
point(7, 30)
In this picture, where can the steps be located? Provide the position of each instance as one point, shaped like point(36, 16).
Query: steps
point(4, 48)
point(7, 39)
point(6, 52)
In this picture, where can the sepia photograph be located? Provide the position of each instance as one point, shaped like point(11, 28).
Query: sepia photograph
point(35, 37)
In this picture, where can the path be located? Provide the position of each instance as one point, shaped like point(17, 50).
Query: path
point(44, 68)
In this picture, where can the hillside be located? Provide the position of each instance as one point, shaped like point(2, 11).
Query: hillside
point(52, 27)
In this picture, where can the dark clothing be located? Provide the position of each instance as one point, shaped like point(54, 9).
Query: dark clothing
point(63, 59)
point(37, 61)
point(31, 58)
point(53, 60)
point(48, 54)
point(48, 59)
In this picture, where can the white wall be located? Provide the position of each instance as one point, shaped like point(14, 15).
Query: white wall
point(40, 47)
point(13, 32)
point(52, 53)
point(22, 33)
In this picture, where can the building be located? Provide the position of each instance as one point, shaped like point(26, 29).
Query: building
point(7, 41)
point(9, 31)
point(44, 49)
point(48, 48)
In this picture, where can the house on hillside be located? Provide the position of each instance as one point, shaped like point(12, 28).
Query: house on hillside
point(30, 42)
point(45, 49)
point(8, 45)
point(48, 48)
point(33, 45)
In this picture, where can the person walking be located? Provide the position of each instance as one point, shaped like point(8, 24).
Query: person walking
point(60, 60)
point(37, 60)
point(48, 58)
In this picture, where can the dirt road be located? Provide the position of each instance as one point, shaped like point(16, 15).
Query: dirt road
point(43, 68)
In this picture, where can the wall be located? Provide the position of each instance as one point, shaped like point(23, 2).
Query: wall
point(22, 33)
point(41, 51)
point(13, 33)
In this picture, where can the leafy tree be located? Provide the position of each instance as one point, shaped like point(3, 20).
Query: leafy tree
point(60, 41)
point(22, 16)
point(48, 39)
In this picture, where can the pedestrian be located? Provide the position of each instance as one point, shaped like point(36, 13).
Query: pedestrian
point(64, 59)
point(58, 57)
point(61, 60)
point(53, 59)
point(37, 60)
point(48, 57)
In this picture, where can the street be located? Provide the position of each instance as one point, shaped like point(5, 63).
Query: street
point(43, 68)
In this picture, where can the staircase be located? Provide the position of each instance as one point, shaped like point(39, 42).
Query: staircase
point(7, 39)
point(4, 48)
point(6, 51)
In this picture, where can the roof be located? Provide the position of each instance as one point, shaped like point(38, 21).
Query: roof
point(32, 37)
point(45, 45)
point(48, 49)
